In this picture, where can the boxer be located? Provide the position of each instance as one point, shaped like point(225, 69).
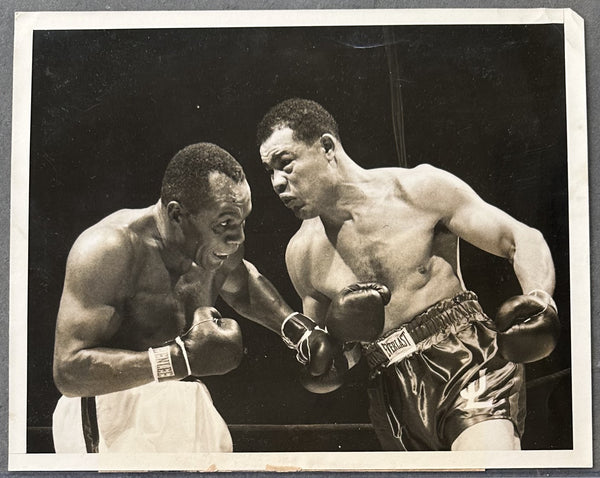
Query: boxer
point(375, 262)
point(137, 315)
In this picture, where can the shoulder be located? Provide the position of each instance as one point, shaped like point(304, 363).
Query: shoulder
point(305, 239)
point(426, 183)
point(430, 176)
point(99, 267)
point(105, 247)
point(421, 175)
point(404, 178)
point(300, 253)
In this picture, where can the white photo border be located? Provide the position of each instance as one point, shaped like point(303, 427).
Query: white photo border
point(579, 456)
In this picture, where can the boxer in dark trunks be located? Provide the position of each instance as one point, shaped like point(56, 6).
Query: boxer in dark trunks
point(375, 262)
point(453, 365)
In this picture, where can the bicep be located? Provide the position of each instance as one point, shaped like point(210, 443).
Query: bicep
point(95, 280)
point(297, 264)
point(83, 323)
point(471, 218)
point(494, 231)
point(485, 226)
point(314, 304)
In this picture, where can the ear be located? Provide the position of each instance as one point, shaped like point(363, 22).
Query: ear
point(328, 144)
point(175, 211)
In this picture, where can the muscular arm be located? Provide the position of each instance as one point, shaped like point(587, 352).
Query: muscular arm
point(314, 304)
point(96, 277)
point(253, 296)
point(490, 229)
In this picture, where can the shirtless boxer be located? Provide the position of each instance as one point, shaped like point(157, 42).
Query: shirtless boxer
point(136, 315)
point(375, 262)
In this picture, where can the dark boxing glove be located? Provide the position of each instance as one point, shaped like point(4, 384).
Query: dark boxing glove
point(528, 327)
point(344, 358)
point(357, 313)
point(211, 346)
point(314, 347)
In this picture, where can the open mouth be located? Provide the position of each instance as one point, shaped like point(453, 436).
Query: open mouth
point(221, 257)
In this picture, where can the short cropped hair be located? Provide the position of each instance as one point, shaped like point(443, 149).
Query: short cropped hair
point(186, 176)
point(306, 118)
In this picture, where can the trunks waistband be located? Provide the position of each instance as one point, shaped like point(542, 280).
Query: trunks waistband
point(423, 331)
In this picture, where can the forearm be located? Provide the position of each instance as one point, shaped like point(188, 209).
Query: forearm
point(532, 262)
point(97, 371)
point(253, 296)
point(260, 302)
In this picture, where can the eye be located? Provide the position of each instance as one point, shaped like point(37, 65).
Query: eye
point(220, 227)
point(286, 165)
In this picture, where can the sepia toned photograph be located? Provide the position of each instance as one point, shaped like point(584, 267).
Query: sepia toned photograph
point(308, 240)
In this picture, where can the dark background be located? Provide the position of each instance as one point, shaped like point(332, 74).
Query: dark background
point(109, 109)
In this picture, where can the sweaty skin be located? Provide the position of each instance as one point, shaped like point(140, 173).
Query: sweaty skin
point(396, 226)
point(414, 262)
point(134, 280)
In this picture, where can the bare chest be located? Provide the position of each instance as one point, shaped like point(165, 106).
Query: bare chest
point(160, 307)
point(398, 249)
point(379, 248)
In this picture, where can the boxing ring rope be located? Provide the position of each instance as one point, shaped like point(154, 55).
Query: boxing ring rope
point(547, 378)
point(297, 436)
point(339, 427)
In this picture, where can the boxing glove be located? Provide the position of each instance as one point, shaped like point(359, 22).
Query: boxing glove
point(528, 327)
point(313, 345)
point(357, 313)
point(213, 345)
point(344, 358)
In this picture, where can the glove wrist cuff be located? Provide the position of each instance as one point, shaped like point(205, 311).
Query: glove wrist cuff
point(179, 342)
point(295, 332)
point(161, 363)
point(166, 361)
point(545, 296)
point(294, 329)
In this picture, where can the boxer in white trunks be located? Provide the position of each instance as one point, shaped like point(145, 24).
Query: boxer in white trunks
point(136, 324)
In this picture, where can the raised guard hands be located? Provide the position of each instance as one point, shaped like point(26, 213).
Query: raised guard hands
point(211, 346)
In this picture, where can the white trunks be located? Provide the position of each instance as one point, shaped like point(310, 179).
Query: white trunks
point(165, 417)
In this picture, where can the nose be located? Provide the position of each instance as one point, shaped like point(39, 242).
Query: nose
point(279, 181)
point(236, 236)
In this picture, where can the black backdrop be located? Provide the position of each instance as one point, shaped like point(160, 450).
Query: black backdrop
point(110, 107)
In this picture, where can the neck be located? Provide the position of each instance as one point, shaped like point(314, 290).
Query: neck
point(174, 259)
point(348, 192)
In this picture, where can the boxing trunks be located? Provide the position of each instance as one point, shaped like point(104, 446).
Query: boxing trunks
point(439, 374)
point(165, 417)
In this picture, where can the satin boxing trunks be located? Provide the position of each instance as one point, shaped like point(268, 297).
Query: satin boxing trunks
point(439, 374)
point(165, 417)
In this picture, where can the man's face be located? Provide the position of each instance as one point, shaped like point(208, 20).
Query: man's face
point(217, 230)
point(300, 173)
